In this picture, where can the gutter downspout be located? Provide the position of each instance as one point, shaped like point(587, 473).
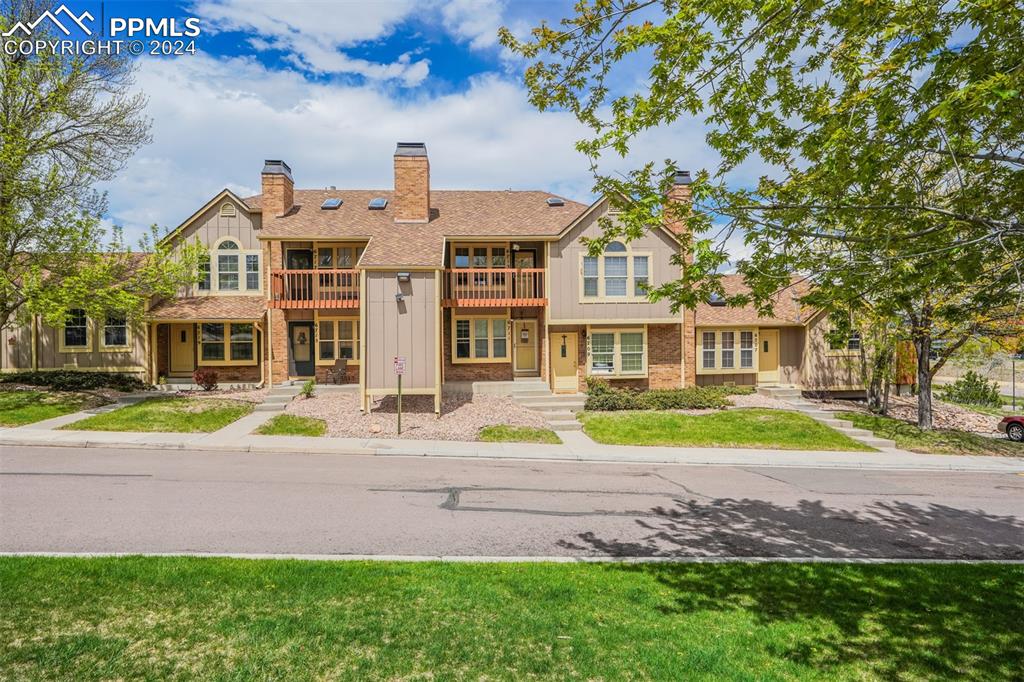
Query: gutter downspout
point(35, 343)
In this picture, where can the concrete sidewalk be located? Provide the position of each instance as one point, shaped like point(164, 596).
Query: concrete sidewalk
point(576, 446)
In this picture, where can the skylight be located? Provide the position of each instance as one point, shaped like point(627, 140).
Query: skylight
point(331, 204)
point(555, 201)
point(716, 300)
point(378, 204)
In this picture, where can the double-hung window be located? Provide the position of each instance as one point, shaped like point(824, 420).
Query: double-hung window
point(115, 331)
point(204, 272)
point(252, 271)
point(617, 353)
point(746, 350)
point(227, 266)
point(728, 350)
point(851, 345)
point(708, 350)
point(618, 274)
point(75, 335)
point(222, 343)
point(480, 339)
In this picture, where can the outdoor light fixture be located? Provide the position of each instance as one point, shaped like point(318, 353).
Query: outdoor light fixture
point(399, 297)
point(403, 276)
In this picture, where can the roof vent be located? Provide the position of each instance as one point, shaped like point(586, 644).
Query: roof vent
point(682, 178)
point(378, 204)
point(556, 201)
point(331, 204)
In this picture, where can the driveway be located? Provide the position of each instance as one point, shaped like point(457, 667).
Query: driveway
point(117, 500)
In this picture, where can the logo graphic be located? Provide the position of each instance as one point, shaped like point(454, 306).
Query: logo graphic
point(52, 16)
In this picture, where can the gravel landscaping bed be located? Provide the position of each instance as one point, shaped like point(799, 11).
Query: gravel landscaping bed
point(462, 415)
point(944, 415)
point(763, 401)
point(246, 395)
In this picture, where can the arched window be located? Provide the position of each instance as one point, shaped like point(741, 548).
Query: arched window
point(618, 274)
point(227, 265)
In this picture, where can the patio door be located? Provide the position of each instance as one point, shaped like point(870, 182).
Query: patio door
point(183, 349)
point(564, 362)
point(768, 356)
point(524, 340)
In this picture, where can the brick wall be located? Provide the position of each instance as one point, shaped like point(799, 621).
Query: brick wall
point(664, 364)
point(412, 189)
point(246, 374)
point(278, 194)
point(482, 371)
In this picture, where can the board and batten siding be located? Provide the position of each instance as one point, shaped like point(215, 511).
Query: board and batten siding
point(210, 227)
point(564, 272)
point(18, 355)
point(407, 329)
point(824, 369)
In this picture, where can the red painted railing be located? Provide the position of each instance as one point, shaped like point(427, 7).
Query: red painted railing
point(477, 287)
point(314, 288)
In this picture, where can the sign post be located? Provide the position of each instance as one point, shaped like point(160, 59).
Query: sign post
point(399, 370)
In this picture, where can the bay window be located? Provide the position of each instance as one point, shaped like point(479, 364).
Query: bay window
point(619, 274)
point(717, 351)
point(480, 339)
point(617, 352)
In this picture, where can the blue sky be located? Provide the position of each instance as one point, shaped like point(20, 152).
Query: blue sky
point(331, 86)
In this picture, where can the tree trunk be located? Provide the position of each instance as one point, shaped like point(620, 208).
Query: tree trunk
point(923, 346)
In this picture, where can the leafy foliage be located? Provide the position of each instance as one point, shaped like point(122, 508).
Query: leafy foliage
point(69, 380)
point(891, 134)
point(206, 378)
point(603, 398)
point(70, 122)
point(972, 389)
point(308, 389)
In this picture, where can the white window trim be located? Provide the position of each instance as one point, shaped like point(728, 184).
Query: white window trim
point(629, 254)
point(317, 319)
point(242, 290)
point(846, 351)
point(227, 361)
point(617, 372)
point(490, 359)
point(736, 349)
point(102, 333)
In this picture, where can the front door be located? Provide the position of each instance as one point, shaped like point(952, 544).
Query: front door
point(300, 341)
point(183, 349)
point(564, 362)
point(524, 338)
point(768, 357)
point(299, 285)
point(527, 284)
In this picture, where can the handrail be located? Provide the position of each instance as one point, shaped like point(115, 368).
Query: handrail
point(494, 286)
point(314, 288)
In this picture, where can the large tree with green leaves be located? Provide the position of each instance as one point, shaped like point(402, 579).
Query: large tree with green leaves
point(892, 133)
point(66, 124)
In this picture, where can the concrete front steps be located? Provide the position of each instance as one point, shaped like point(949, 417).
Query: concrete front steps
point(558, 410)
point(793, 397)
point(279, 397)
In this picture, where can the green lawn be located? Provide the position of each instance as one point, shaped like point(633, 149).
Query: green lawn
point(18, 408)
point(938, 441)
point(291, 425)
point(518, 434)
point(744, 428)
point(226, 619)
point(179, 415)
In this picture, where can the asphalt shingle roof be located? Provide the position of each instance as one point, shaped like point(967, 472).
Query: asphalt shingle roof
point(454, 213)
point(209, 308)
point(787, 309)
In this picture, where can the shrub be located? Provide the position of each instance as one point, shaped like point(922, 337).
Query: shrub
point(71, 380)
point(205, 378)
point(603, 398)
point(972, 389)
point(308, 389)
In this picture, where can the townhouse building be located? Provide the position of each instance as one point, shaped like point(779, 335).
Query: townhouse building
point(465, 286)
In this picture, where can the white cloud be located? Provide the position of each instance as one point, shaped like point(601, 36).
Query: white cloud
point(475, 21)
point(314, 35)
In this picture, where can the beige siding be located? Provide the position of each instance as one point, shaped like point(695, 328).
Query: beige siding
point(791, 353)
point(18, 356)
point(210, 227)
point(406, 329)
point(564, 273)
point(822, 369)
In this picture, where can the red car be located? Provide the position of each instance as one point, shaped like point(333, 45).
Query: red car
point(1013, 427)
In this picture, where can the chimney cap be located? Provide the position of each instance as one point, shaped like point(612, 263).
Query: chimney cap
point(411, 149)
point(277, 167)
point(682, 178)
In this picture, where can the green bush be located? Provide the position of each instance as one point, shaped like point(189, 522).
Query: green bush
point(972, 389)
point(308, 389)
point(70, 380)
point(601, 397)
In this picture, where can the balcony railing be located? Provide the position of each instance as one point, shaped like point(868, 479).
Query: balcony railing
point(477, 287)
point(314, 289)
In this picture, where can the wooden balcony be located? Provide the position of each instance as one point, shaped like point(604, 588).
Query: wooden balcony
point(479, 287)
point(325, 288)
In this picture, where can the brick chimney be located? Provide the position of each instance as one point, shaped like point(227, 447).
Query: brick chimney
point(278, 188)
point(675, 220)
point(679, 193)
point(412, 183)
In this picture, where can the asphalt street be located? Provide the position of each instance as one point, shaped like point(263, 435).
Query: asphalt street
point(118, 500)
